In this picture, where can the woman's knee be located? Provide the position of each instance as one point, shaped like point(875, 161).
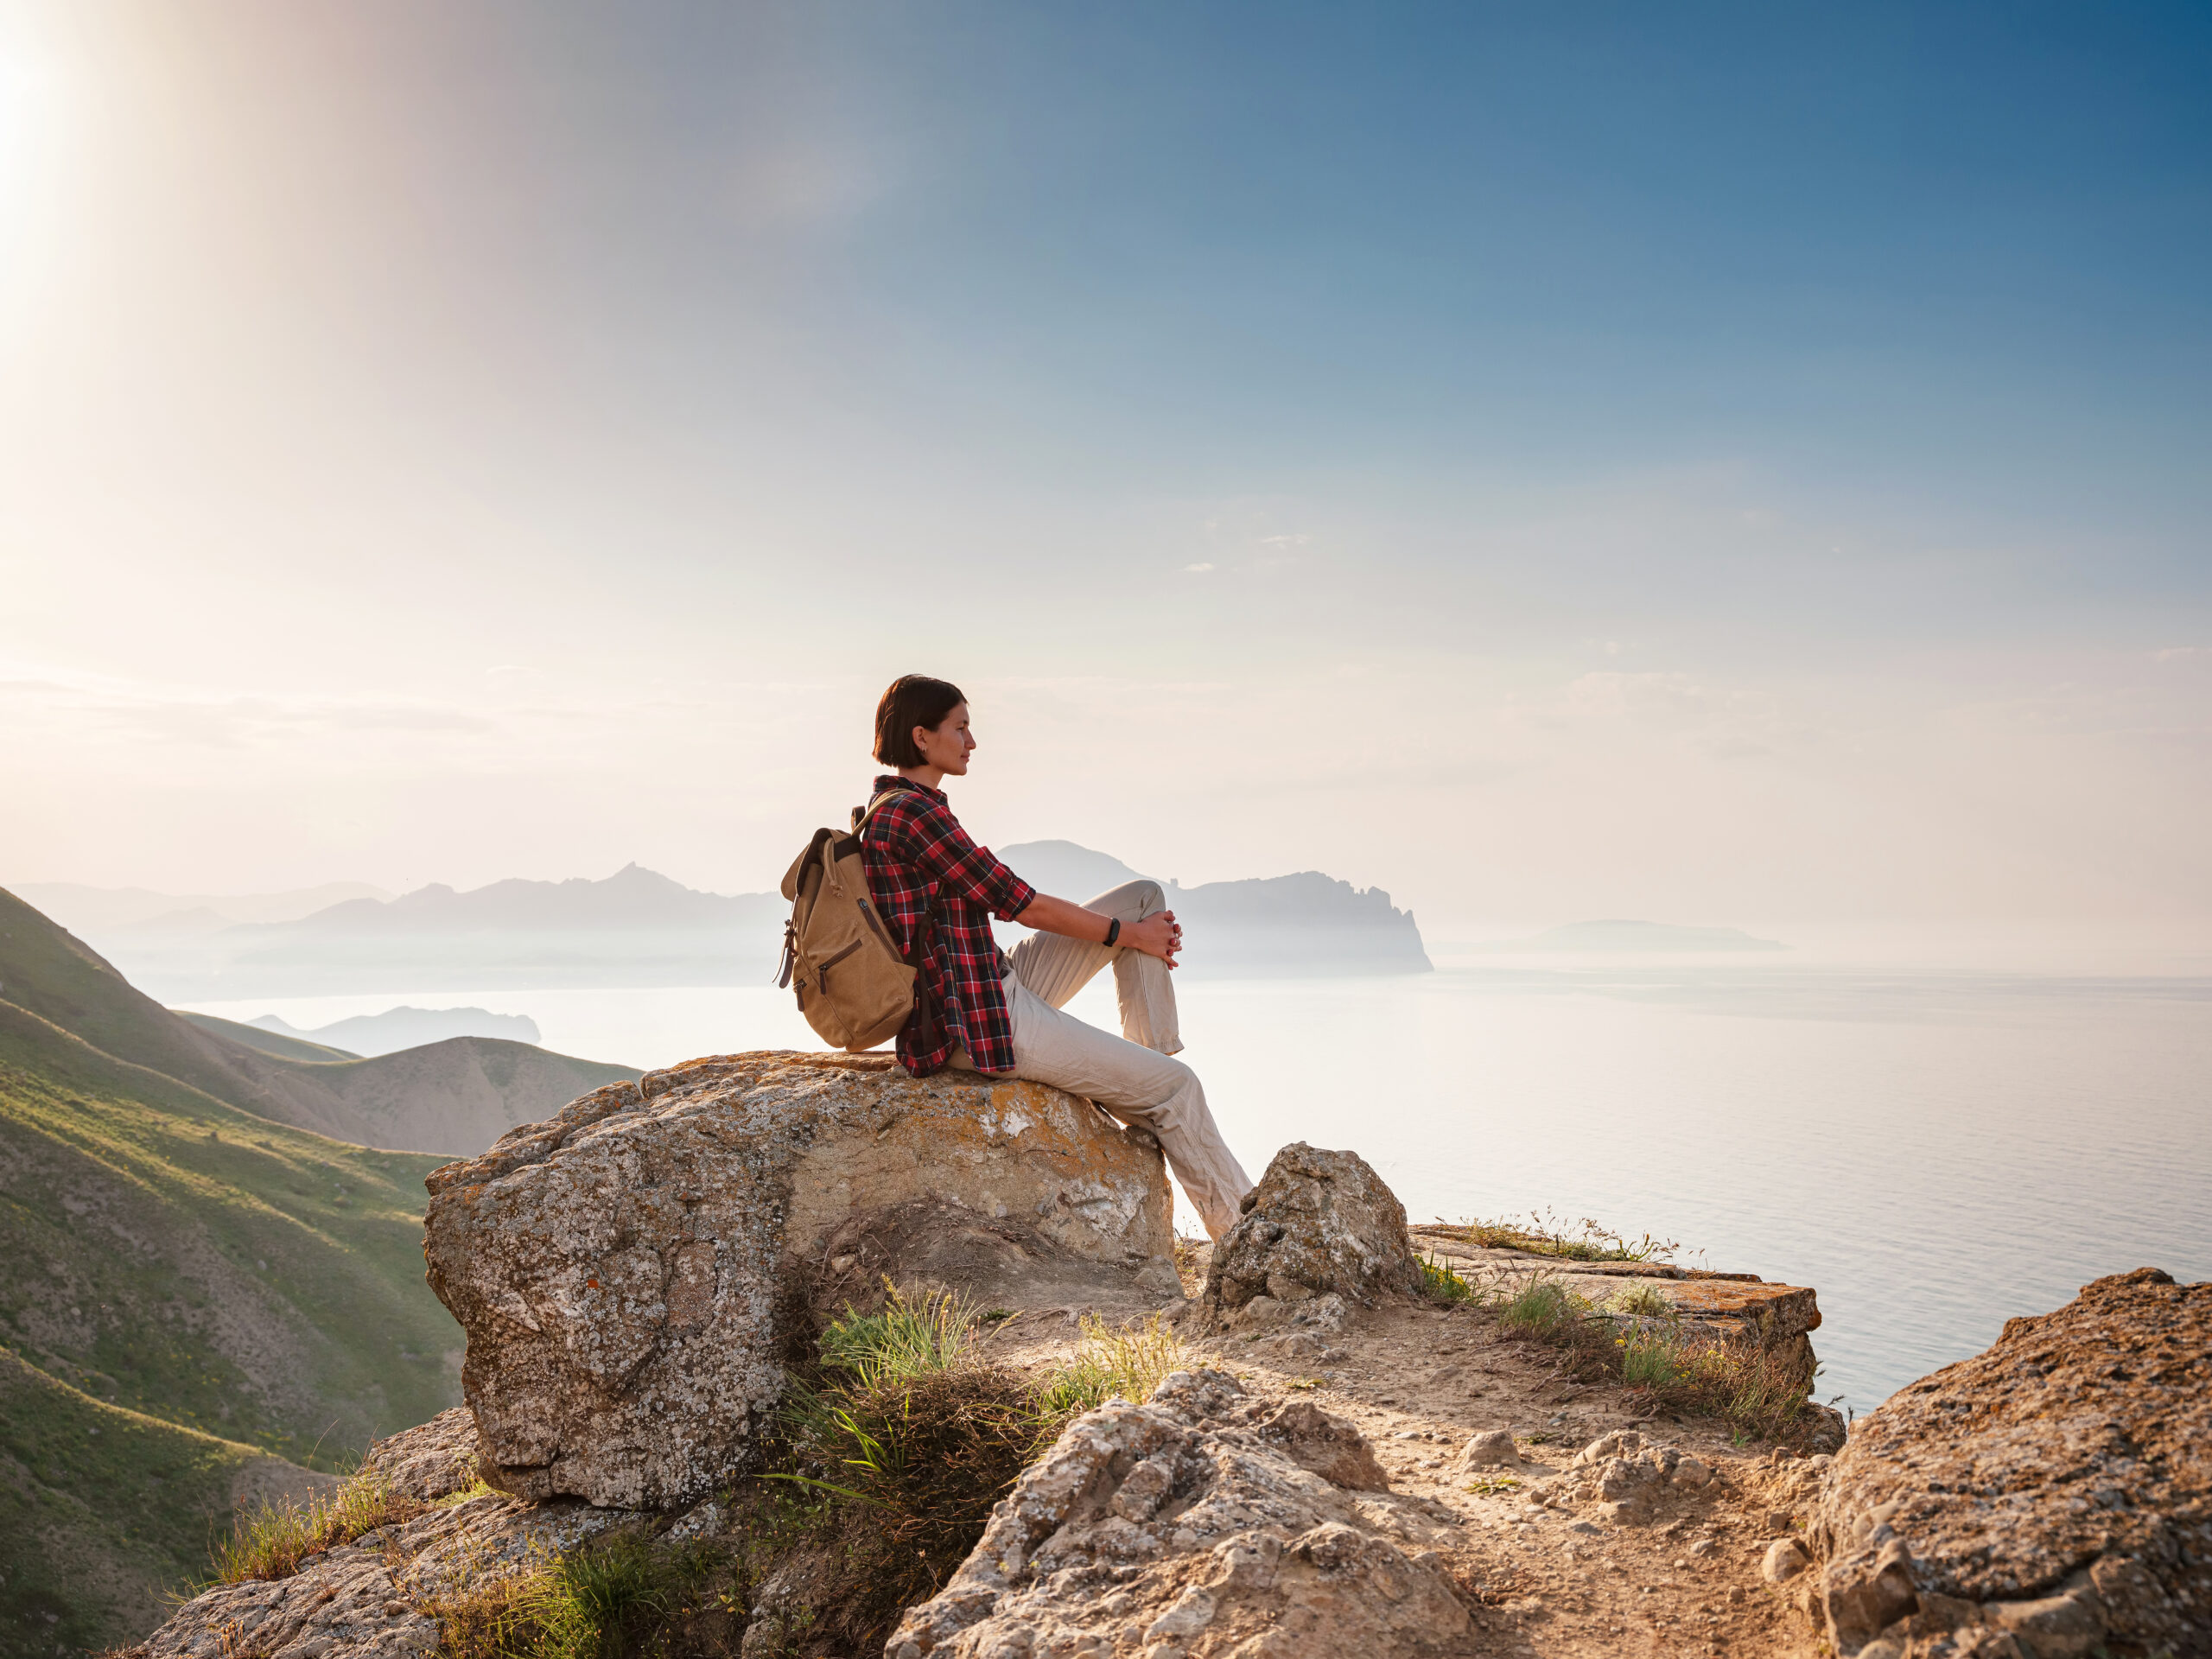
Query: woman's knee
point(1181, 1083)
point(1138, 899)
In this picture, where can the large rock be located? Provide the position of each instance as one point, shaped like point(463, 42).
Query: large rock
point(2049, 1496)
point(1318, 1224)
point(1192, 1525)
point(632, 1274)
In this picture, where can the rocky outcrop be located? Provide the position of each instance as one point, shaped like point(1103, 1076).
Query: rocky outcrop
point(1725, 1307)
point(2050, 1496)
point(632, 1274)
point(346, 1600)
point(376, 1596)
point(428, 1462)
point(1194, 1525)
point(1318, 1224)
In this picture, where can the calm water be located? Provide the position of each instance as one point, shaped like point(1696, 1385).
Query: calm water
point(1932, 1153)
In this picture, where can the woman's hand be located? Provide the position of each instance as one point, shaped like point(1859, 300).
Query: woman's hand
point(1158, 936)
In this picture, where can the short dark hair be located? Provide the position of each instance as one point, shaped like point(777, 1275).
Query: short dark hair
point(914, 699)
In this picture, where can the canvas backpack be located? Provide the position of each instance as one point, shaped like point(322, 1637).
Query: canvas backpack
point(854, 986)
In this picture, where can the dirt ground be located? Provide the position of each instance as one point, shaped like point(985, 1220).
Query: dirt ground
point(1419, 1382)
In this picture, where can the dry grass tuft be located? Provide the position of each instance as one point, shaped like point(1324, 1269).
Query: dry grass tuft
point(1545, 1234)
point(1128, 1361)
point(1759, 1390)
point(273, 1539)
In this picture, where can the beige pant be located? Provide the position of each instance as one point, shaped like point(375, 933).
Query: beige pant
point(1130, 1076)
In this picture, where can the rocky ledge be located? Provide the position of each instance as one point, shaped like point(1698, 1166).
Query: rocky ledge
point(1343, 1466)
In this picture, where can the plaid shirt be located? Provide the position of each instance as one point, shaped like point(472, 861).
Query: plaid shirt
point(916, 851)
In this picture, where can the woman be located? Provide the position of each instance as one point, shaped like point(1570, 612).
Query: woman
point(1004, 1016)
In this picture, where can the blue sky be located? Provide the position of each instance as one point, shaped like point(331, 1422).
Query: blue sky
point(1789, 423)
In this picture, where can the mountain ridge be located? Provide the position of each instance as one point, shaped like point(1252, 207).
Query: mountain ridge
point(639, 928)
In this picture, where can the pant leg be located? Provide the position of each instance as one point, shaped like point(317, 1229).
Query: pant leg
point(1138, 1086)
point(1055, 967)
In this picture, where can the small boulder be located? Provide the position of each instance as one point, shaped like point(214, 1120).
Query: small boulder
point(1785, 1559)
point(1489, 1450)
point(1319, 1222)
point(1622, 1472)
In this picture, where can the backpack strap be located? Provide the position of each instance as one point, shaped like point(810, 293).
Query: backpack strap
point(860, 816)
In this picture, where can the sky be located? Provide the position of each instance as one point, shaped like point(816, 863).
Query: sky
point(1726, 465)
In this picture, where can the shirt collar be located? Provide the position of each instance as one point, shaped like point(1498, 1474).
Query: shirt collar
point(893, 780)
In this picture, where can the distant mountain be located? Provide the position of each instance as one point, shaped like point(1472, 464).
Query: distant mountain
point(104, 910)
point(1597, 937)
point(1064, 869)
point(632, 899)
point(398, 1028)
point(637, 928)
point(1306, 926)
point(634, 928)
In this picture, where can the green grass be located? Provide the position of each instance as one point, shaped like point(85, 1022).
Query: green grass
point(1112, 1362)
point(1754, 1390)
point(1643, 1302)
point(602, 1600)
point(1544, 1308)
point(905, 1437)
point(102, 1510)
point(902, 1339)
point(1441, 1283)
point(169, 1254)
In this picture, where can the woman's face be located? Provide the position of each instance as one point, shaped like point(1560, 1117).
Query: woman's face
point(948, 747)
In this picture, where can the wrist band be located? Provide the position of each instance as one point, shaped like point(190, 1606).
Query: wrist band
point(1113, 930)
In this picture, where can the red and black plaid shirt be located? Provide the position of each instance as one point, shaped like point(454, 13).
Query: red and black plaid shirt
point(916, 852)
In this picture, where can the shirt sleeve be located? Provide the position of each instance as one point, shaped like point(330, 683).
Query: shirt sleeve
point(935, 844)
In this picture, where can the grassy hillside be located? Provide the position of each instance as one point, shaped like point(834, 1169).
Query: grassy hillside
point(192, 1287)
point(171, 1254)
point(101, 1511)
point(185, 1288)
point(455, 1097)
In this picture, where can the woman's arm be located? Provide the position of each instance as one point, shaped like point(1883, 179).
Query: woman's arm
point(1156, 936)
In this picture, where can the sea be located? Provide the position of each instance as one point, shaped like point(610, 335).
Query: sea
point(1934, 1152)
